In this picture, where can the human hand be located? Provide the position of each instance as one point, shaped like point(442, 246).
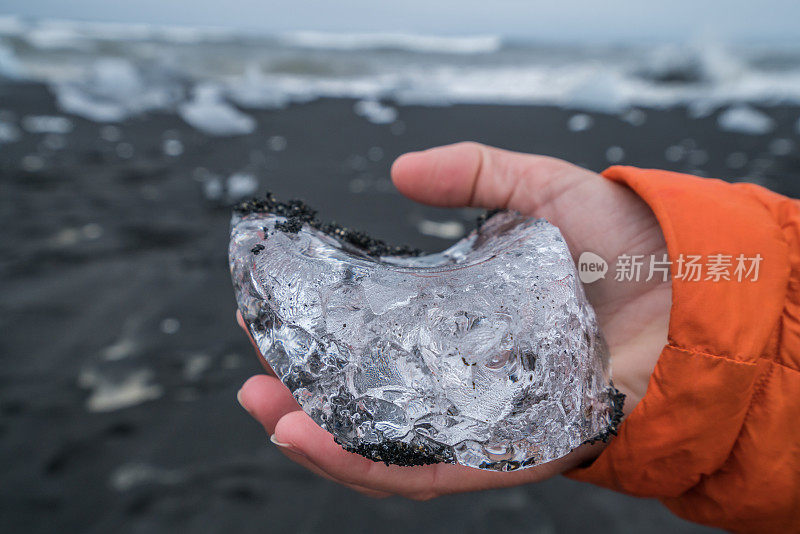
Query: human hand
point(593, 214)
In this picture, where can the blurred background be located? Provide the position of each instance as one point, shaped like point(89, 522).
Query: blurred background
point(128, 129)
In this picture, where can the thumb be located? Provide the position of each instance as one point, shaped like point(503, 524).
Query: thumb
point(471, 174)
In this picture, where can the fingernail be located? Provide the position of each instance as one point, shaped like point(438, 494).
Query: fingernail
point(239, 400)
point(278, 443)
point(287, 446)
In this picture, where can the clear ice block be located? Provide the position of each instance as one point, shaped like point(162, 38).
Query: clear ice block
point(486, 355)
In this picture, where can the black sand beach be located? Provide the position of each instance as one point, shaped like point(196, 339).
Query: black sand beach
point(121, 355)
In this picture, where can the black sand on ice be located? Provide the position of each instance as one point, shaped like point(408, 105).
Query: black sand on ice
point(115, 265)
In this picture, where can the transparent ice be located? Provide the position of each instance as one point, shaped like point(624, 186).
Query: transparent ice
point(487, 354)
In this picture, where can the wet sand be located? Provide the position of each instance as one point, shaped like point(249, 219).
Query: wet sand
point(122, 357)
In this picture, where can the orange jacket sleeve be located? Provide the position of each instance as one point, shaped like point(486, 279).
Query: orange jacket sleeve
point(717, 436)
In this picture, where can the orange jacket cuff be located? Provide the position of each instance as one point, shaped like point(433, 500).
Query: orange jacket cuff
point(717, 436)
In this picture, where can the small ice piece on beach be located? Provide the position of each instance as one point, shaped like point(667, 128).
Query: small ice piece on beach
point(54, 141)
point(444, 229)
point(130, 476)
point(170, 325)
point(42, 124)
point(736, 160)
point(112, 90)
point(209, 113)
point(32, 163)
point(580, 122)
point(109, 394)
point(375, 112)
point(487, 354)
point(240, 185)
point(675, 153)
point(255, 90)
point(172, 147)
point(277, 143)
point(213, 188)
point(92, 231)
point(124, 150)
point(781, 146)
point(745, 119)
point(601, 91)
point(634, 117)
point(9, 133)
point(112, 134)
point(700, 109)
point(697, 157)
point(615, 154)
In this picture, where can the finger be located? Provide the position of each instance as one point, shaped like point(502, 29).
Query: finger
point(267, 400)
point(264, 364)
point(306, 463)
point(299, 433)
point(471, 174)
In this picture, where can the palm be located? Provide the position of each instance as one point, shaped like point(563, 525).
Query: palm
point(593, 214)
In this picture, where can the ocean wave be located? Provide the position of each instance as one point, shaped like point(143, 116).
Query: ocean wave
point(409, 42)
point(108, 73)
point(69, 34)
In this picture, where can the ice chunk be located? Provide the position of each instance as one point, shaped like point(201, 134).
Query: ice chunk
point(375, 112)
point(113, 90)
point(39, 124)
point(580, 122)
point(255, 90)
point(487, 354)
point(615, 154)
point(601, 91)
point(747, 120)
point(445, 229)
point(209, 113)
point(241, 185)
point(9, 133)
point(109, 395)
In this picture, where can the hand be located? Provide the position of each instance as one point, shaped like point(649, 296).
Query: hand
point(593, 214)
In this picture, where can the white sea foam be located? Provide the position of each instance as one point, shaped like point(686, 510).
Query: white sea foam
point(10, 66)
point(399, 41)
point(71, 34)
point(12, 26)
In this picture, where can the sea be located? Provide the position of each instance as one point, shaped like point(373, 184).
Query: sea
point(108, 72)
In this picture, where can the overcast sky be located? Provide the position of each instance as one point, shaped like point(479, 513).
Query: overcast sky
point(731, 20)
